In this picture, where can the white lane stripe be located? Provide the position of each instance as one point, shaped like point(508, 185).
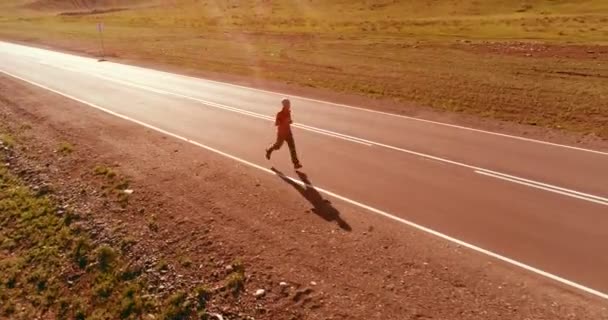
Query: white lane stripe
point(370, 110)
point(142, 69)
point(565, 191)
point(582, 194)
point(504, 135)
point(501, 177)
point(216, 105)
point(497, 256)
point(374, 111)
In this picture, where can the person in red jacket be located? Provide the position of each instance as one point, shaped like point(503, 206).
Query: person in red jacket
point(283, 122)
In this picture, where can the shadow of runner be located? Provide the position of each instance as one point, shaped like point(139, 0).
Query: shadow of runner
point(321, 207)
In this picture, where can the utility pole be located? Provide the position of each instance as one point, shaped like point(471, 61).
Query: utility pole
point(100, 27)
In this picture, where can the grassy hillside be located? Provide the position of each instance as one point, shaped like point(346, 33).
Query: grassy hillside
point(76, 4)
point(493, 19)
point(538, 62)
point(53, 267)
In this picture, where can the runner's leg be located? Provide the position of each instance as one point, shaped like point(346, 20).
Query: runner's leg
point(276, 146)
point(292, 150)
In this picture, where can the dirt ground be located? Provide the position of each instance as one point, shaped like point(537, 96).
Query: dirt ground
point(212, 211)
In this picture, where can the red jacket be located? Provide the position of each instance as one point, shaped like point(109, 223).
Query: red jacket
point(283, 122)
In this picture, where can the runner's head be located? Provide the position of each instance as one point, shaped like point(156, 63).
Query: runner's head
point(286, 104)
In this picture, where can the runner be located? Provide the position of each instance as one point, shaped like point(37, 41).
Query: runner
point(283, 122)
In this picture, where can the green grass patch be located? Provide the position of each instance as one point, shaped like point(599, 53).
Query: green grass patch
point(235, 281)
point(114, 184)
point(106, 258)
point(80, 252)
point(102, 170)
point(131, 303)
point(65, 148)
point(126, 243)
point(38, 247)
point(177, 307)
point(7, 140)
point(162, 265)
point(203, 295)
point(104, 286)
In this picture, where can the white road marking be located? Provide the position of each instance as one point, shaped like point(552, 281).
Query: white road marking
point(586, 195)
point(548, 187)
point(539, 186)
point(321, 101)
point(473, 247)
point(217, 105)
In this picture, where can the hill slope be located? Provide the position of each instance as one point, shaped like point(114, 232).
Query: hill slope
point(497, 58)
point(79, 4)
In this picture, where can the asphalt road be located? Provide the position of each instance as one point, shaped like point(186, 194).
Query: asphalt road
point(539, 206)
